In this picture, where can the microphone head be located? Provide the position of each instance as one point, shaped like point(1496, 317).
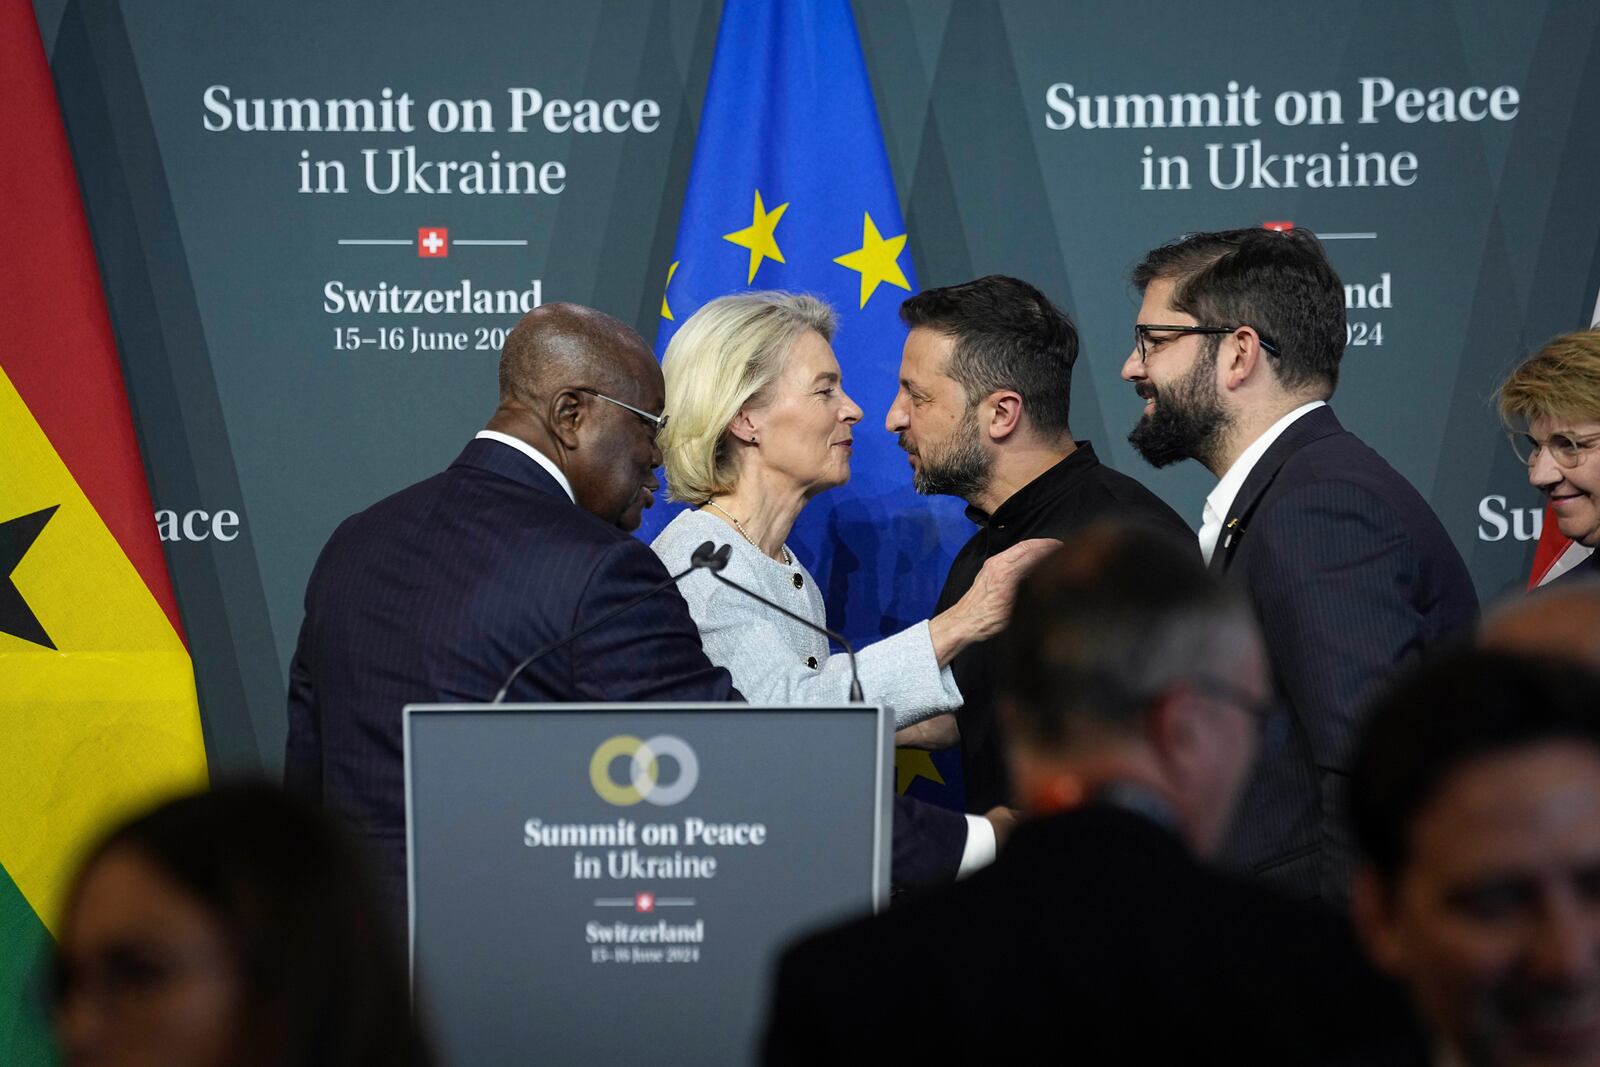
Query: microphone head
point(720, 559)
point(703, 556)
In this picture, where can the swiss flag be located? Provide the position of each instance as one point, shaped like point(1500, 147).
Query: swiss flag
point(433, 242)
point(1281, 227)
point(1553, 545)
point(644, 902)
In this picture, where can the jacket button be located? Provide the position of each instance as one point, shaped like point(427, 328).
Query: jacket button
point(811, 661)
point(798, 582)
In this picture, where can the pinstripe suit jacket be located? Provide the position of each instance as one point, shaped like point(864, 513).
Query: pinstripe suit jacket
point(435, 594)
point(1351, 575)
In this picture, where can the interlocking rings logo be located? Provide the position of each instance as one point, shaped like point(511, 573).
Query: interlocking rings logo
point(644, 770)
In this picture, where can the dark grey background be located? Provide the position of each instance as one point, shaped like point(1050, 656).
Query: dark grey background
point(214, 264)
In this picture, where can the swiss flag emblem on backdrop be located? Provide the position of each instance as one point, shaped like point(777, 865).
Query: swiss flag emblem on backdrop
point(433, 242)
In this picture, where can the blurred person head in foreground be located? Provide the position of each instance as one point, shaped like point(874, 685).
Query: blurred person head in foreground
point(1134, 682)
point(231, 927)
point(1476, 802)
point(1130, 666)
point(1560, 620)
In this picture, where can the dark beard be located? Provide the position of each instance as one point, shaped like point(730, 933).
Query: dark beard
point(1188, 422)
point(962, 470)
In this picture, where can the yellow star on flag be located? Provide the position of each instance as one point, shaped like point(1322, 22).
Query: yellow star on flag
point(877, 260)
point(666, 311)
point(911, 764)
point(759, 236)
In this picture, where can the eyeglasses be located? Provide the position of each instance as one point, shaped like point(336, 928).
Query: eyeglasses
point(1564, 448)
point(1143, 330)
point(656, 423)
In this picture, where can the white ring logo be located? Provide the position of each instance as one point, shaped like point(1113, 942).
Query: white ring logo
point(644, 770)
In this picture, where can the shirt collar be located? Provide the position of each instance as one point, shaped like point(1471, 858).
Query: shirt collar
point(532, 453)
point(1220, 499)
point(1040, 491)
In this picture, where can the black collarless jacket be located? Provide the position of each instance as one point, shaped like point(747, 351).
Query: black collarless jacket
point(1073, 493)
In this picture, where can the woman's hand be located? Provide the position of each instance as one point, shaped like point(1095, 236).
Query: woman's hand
point(938, 732)
point(984, 610)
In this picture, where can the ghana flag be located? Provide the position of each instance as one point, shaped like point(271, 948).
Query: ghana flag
point(97, 701)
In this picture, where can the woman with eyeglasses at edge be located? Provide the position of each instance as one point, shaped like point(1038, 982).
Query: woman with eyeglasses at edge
point(758, 424)
point(1555, 394)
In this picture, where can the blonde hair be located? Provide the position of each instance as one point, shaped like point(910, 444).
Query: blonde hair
point(1560, 381)
point(722, 359)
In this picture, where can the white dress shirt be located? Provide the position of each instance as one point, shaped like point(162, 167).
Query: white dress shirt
point(1220, 499)
point(980, 848)
point(532, 453)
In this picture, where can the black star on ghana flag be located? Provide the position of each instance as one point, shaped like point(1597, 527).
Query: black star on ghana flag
point(16, 537)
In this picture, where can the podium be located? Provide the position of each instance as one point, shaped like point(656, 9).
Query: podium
point(614, 882)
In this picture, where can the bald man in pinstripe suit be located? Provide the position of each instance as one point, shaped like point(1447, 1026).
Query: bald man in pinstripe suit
point(1237, 349)
point(435, 593)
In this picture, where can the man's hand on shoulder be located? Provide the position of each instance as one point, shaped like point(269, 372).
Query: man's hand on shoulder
point(984, 609)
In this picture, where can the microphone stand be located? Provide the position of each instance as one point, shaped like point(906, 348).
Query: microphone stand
point(704, 556)
point(720, 560)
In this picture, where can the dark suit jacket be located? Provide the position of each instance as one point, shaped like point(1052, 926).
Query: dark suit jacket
point(1351, 575)
point(928, 841)
point(1098, 939)
point(434, 595)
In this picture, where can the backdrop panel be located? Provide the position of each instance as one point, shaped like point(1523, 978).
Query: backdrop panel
point(309, 267)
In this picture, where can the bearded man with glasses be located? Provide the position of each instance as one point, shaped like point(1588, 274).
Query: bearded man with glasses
point(1236, 353)
point(1556, 395)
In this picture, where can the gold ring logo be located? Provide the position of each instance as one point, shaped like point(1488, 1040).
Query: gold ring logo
point(644, 770)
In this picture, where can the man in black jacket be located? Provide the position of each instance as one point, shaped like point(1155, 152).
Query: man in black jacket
point(985, 387)
point(1136, 684)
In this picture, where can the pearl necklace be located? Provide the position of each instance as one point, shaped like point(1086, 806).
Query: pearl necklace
point(737, 525)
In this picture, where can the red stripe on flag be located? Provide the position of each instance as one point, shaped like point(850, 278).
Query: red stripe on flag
point(1551, 545)
point(56, 343)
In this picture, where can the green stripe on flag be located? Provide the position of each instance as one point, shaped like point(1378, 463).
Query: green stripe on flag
point(25, 944)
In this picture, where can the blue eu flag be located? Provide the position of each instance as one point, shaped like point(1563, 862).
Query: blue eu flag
point(790, 189)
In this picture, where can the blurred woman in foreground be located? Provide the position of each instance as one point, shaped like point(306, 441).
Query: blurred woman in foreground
point(230, 928)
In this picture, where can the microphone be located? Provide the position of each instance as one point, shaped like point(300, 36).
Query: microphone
point(719, 560)
point(702, 557)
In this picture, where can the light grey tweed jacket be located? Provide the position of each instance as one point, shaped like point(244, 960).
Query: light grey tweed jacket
point(775, 660)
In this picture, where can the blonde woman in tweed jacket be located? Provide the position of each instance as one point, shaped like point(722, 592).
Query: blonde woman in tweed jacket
point(759, 423)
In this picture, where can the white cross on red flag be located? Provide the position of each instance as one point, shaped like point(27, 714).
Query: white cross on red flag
point(433, 242)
